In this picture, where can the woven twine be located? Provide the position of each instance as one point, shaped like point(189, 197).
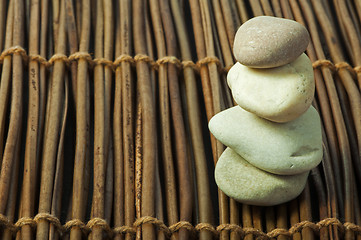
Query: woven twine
point(101, 223)
point(321, 63)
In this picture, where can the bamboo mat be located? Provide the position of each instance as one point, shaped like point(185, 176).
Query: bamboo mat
point(103, 120)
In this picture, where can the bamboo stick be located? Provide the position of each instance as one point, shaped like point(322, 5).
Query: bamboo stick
point(270, 219)
point(267, 9)
point(306, 214)
point(147, 203)
point(256, 8)
point(128, 115)
point(108, 81)
point(118, 133)
point(185, 186)
point(242, 10)
point(2, 23)
point(317, 180)
point(340, 125)
point(230, 21)
point(59, 169)
point(276, 8)
point(99, 125)
point(5, 77)
point(16, 109)
point(42, 75)
point(11, 206)
point(79, 179)
point(164, 108)
point(247, 219)
point(51, 138)
point(31, 149)
point(205, 205)
point(138, 163)
point(282, 219)
point(109, 184)
point(73, 42)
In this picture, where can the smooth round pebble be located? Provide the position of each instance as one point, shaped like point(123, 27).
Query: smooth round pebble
point(247, 184)
point(278, 94)
point(280, 148)
point(266, 42)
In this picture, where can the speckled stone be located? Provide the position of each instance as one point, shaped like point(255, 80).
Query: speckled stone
point(265, 42)
point(280, 148)
point(247, 184)
point(278, 94)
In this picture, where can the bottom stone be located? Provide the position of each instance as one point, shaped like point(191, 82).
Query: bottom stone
point(250, 185)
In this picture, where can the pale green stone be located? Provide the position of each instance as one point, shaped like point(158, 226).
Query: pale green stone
point(281, 148)
point(247, 184)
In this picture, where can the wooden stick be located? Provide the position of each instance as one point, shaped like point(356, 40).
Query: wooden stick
point(5, 77)
point(51, 137)
point(59, 170)
point(99, 125)
point(247, 220)
point(73, 42)
point(42, 75)
point(138, 163)
point(230, 21)
point(282, 219)
point(11, 206)
point(184, 174)
point(204, 197)
point(31, 148)
point(147, 204)
point(109, 184)
point(242, 10)
point(257, 217)
point(118, 135)
point(267, 9)
point(340, 125)
point(108, 77)
point(256, 8)
point(276, 8)
point(270, 219)
point(317, 180)
point(164, 108)
point(222, 34)
point(2, 23)
point(16, 108)
point(108, 81)
point(128, 114)
point(306, 213)
point(79, 179)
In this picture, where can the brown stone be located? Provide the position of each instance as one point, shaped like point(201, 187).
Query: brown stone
point(266, 42)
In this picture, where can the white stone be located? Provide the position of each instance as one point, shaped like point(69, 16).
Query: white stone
point(278, 94)
point(247, 184)
point(281, 148)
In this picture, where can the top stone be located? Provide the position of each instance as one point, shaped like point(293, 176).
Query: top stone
point(266, 42)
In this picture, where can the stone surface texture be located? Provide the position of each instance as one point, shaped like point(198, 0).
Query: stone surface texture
point(247, 184)
point(265, 42)
point(278, 94)
point(280, 148)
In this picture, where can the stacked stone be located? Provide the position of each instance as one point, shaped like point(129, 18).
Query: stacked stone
point(274, 134)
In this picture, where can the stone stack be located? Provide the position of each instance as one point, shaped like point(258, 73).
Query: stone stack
point(274, 134)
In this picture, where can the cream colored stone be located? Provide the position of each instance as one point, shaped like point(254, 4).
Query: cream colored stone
point(265, 42)
point(247, 184)
point(281, 148)
point(278, 94)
